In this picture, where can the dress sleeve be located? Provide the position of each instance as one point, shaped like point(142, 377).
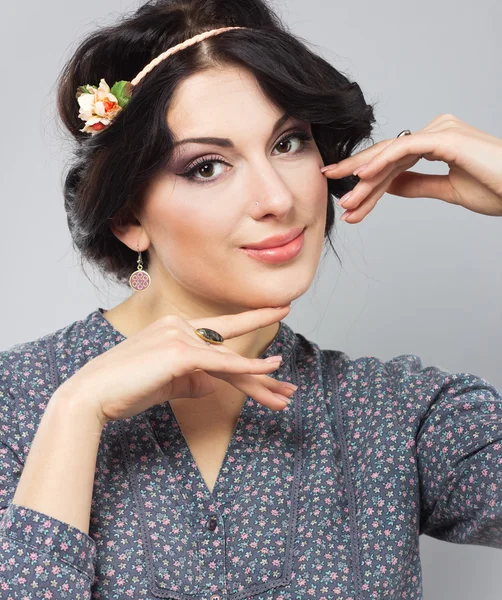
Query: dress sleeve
point(40, 556)
point(459, 451)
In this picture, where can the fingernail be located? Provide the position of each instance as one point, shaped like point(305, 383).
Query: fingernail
point(277, 358)
point(289, 386)
point(283, 398)
point(344, 198)
point(323, 169)
point(344, 216)
point(359, 169)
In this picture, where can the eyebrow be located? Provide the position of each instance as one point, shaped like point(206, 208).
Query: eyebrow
point(226, 142)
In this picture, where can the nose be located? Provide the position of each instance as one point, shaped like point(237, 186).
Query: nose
point(270, 188)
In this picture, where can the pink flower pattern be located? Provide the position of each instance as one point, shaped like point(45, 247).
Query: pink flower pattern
point(326, 499)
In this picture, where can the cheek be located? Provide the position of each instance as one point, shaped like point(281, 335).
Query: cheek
point(185, 232)
point(193, 231)
point(312, 186)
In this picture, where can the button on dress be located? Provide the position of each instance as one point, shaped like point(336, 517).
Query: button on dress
point(325, 499)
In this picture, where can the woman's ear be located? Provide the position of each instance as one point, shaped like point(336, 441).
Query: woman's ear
point(130, 232)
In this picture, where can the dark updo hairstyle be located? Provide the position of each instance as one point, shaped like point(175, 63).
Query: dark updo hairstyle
point(110, 170)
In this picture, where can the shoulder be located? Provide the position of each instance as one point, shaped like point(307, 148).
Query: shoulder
point(24, 363)
point(26, 385)
point(31, 371)
point(405, 374)
point(393, 372)
point(406, 389)
point(48, 358)
point(368, 371)
point(31, 360)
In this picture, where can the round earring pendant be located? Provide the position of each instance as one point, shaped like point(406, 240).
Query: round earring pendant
point(139, 280)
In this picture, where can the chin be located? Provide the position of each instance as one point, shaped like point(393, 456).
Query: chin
point(276, 293)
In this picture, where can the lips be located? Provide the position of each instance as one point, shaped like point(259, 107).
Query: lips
point(278, 254)
point(275, 241)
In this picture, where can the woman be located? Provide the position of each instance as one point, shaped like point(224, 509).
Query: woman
point(150, 450)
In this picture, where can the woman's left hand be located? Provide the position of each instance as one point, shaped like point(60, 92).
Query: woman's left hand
point(474, 180)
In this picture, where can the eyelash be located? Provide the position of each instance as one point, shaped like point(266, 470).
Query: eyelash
point(189, 174)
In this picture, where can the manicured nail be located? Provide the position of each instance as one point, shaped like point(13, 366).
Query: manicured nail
point(323, 169)
point(344, 216)
point(277, 358)
point(344, 198)
point(359, 169)
point(289, 386)
point(283, 398)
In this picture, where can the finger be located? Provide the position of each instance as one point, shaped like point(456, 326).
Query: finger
point(264, 386)
point(271, 395)
point(407, 184)
point(410, 184)
point(185, 359)
point(348, 165)
point(433, 145)
point(227, 326)
point(273, 385)
point(257, 384)
point(400, 161)
point(365, 187)
point(268, 392)
point(187, 335)
point(393, 154)
point(365, 205)
point(267, 382)
point(437, 141)
point(230, 326)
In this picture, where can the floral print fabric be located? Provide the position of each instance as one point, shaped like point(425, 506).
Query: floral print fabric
point(325, 499)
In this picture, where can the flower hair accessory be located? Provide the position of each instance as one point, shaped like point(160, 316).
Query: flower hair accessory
point(100, 105)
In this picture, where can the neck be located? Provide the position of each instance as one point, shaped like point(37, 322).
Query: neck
point(141, 309)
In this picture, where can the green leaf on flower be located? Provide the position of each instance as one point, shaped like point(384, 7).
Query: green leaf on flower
point(122, 91)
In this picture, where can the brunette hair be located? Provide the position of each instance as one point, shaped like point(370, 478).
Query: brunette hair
point(109, 171)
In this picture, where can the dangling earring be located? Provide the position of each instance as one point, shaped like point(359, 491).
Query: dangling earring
point(140, 279)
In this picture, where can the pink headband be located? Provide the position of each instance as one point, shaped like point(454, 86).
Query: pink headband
point(99, 105)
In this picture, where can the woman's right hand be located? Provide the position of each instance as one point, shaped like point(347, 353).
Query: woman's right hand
point(168, 360)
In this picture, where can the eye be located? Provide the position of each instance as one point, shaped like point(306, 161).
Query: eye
point(303, 136)
point(204, 164)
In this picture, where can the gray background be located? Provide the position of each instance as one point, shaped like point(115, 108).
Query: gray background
point(418, 276)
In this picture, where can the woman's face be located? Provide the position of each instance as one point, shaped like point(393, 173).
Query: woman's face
point(203, 209)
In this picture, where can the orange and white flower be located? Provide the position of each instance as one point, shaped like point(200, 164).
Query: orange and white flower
point(98, 106)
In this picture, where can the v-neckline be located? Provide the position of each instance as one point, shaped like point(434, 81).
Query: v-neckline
point(238, 435)
point(246, 430)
